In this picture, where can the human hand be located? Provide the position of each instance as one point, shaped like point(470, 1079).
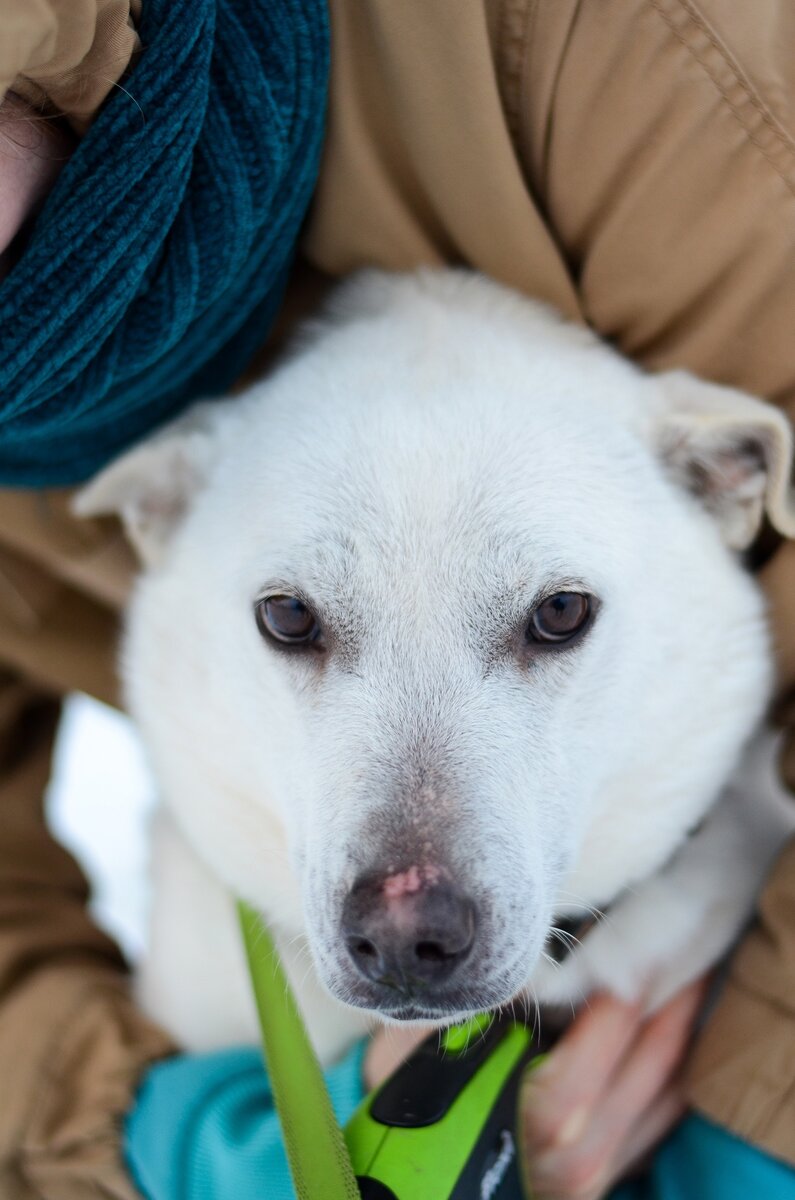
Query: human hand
point(606, 1094)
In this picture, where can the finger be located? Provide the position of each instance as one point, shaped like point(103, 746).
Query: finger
point(618, 1127)
point(647, 1070)
point(588, 1172)
point(557, 1097)
point(658, 1121)
point(657, 1053)
point(578, 1165)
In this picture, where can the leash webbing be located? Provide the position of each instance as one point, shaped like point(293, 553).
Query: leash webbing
point(316, 1150)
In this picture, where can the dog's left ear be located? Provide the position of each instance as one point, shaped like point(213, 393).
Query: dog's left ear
point(150, 487)
point(731, 451)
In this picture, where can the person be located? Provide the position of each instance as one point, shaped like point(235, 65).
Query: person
point(632, 162)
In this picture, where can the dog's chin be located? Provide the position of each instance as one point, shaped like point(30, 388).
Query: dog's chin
point(414, 1014)
point(453, 1005)
point(417, 1010)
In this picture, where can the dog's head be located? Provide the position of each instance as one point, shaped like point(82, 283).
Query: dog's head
point(443, 629)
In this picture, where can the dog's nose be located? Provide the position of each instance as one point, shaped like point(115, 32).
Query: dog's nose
point(408, 930)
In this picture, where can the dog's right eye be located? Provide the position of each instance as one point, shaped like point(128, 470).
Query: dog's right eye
point(287, 620)
point(560, 618)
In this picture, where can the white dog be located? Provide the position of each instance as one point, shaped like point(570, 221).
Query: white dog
point(443, 636)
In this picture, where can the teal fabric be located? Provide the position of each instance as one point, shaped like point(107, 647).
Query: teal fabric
point(701, 1161)
point(204, 1127)
point(157, 265)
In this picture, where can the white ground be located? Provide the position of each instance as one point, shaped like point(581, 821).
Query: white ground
point(98, 803)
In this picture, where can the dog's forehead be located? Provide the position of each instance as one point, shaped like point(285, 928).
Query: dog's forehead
point(462, 497)
point(387, 460)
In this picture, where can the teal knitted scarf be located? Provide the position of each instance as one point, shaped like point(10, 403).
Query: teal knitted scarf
point(155, 269)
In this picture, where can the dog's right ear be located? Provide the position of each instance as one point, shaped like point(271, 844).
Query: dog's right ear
point(150, 487)
point(731, 451)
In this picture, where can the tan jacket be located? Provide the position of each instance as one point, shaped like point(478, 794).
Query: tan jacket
point(630, 161)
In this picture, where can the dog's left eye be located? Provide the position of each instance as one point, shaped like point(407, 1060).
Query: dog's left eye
point(560, 617)
point(287, 620)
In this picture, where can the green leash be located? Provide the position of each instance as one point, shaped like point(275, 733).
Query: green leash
point(319, 1159)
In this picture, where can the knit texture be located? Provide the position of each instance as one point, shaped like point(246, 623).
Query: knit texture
point(158, 263)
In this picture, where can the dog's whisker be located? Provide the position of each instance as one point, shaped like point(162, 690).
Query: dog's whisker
point(566, 937)
point(310, 966)
point(598, 914)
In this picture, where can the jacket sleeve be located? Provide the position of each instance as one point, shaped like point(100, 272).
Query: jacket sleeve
point(65, 56)
point(661, 142)
point(72, 1045)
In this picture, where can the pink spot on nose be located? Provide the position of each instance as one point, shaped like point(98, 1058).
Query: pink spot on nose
point(404, 883)
point(410, 881)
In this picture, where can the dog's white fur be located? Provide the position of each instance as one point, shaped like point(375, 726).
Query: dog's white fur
point(436, 455)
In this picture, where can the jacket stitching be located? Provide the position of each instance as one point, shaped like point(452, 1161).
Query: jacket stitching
point(741, 82)
point(779, 131)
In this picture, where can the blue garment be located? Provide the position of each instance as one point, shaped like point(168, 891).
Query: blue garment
point(156, 267)
point(702, 1161)
point(204, 1127)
